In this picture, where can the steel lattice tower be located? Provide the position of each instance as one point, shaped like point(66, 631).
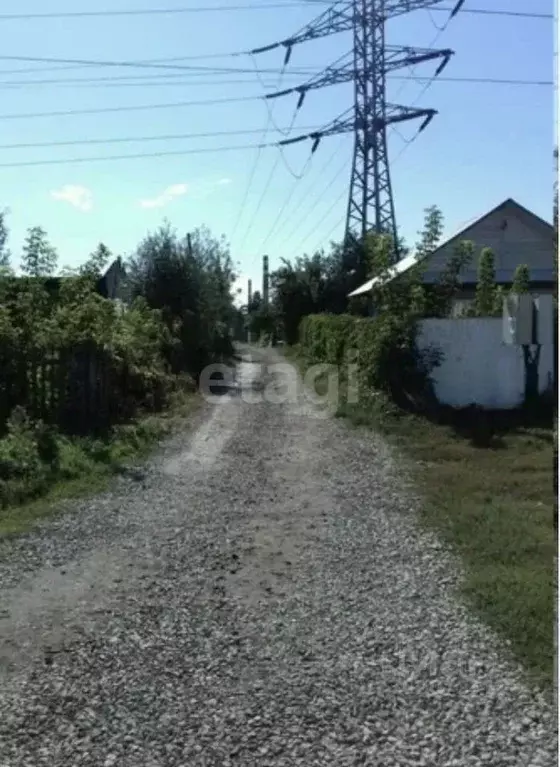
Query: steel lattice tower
point(370, 202)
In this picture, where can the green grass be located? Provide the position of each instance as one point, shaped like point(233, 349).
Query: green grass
point(85, 466)
point(494, 506)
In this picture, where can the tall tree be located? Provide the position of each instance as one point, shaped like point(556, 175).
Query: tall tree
point(430, 236)
point(521, 279)
point(96, 262)
point(5, 255)
point(39, 258)
point(486, 285)
point(190, 279)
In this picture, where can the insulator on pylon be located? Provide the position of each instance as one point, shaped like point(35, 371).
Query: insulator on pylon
point(426, 122)
point(288, 53)
point(302, 93)
point(457, 8)
point(443, 64)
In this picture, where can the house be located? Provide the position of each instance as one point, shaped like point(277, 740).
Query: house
point(113, 283)
point(515, 235)
point(110, 285)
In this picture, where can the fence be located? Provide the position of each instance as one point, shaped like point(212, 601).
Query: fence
point(477, 367)
point(81, 390)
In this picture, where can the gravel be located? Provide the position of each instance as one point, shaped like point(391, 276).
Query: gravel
point(259, 594)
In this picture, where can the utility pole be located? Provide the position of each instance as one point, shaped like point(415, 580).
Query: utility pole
point(370, 201)
point(265, 282)
point(249, 293)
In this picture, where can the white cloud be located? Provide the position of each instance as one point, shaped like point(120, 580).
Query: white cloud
point(79, 197)
point(168, 194)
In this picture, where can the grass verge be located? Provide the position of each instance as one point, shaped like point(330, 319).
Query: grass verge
point(39, 474)
point(493, 505)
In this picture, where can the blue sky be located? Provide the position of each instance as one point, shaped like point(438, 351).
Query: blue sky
point(487, 143)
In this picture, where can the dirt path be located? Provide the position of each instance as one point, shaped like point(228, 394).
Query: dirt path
point(260, 597)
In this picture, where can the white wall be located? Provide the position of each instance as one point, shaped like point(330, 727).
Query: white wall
point(477, 366)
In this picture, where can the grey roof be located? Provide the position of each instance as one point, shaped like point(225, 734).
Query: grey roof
point(405, 264)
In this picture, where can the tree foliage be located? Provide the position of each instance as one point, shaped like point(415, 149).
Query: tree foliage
point(189, 281)
point(5, 255)
point(486, 285)
point(97, 261)
point(521, 279)
point(39, 257)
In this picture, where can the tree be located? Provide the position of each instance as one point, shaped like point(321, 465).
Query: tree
point(5, 255)
point(430, 236)
point(441, 295)
point(486, 285)
point(39, 258)
point(521, 279)
point(190, 280)
point(96, 262)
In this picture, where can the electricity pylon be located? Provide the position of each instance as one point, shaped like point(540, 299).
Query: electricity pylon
point(370, 201)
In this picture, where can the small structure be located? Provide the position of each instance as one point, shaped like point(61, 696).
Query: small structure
point(515, 235)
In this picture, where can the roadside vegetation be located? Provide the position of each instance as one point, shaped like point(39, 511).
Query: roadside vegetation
point(485, 479)
point(87, 384)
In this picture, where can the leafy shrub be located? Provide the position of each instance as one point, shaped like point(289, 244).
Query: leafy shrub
point(22, 472)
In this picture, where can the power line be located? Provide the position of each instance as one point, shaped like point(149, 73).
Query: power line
point(234, 100)
point(146, 64)
point(286, 201)
point(153, 80)
point(158, 11)
point(143, 84)
point(497, 12)
point(140, 155)
point(132, 139)
point(255, 163)
point(324, 216)
point(131, 108)
point(225, 8)
point(270, 120)
point(308, 212)
point(207, 71)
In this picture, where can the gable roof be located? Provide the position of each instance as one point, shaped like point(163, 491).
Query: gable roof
point(511, 206)
point(407, 263)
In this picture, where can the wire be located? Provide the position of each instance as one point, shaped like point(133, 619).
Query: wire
point(140, 155)
point(153, 80)
point(287, 201)
point(497, 12)
point(146, 64)
point(324, 217)
point(307, 213)
point(157, 11)
point(260, 202)
point(226, 100)
point(132, 108)
point(258, 157)
point(132, 139)
point(223, 8)
point(340, 172)
point(256, 161)
point(115, 78)
point(145, 84)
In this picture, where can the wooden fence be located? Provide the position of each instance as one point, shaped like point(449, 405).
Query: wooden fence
point(81, 390)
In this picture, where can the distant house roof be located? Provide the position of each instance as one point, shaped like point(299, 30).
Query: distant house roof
point(52, 284)
point(102, 282)
point(407, 263)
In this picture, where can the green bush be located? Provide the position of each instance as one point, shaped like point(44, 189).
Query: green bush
point(23, 473)
point(383, 348)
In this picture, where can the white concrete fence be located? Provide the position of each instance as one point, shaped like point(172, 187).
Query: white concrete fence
point(478, 367)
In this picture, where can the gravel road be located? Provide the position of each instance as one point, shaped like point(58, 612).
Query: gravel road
point(259, 596)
